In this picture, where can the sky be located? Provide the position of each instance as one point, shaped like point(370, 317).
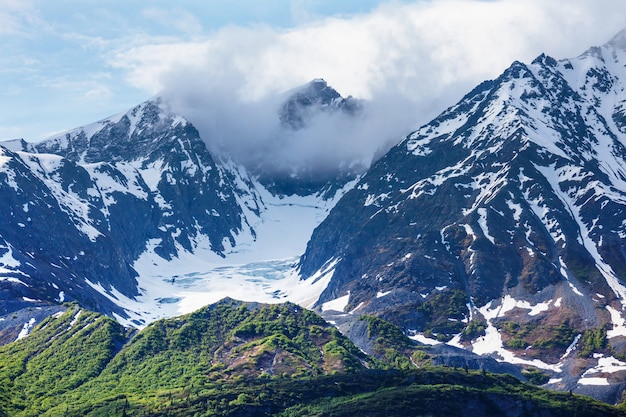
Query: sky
point(66, 63)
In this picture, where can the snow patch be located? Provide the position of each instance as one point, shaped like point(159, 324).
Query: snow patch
point(26, 329)
point(571, 347)
point(593, 381)
point(338, 304)
point(482, 222)
point(619, 324)
point(605, 366)
point(75, 319)
point(424, 340)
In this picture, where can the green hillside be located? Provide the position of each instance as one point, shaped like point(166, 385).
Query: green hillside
point(246, 359)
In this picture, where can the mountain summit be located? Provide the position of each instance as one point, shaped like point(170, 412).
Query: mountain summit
point(500, 225)
point(110, 213)
point(618, 41)
point(311, 98)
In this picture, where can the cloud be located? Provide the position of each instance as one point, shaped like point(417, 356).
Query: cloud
point(16, 17)
point(179, 19)
point(410, 60)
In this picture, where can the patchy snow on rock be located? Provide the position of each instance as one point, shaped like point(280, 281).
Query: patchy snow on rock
point(553, 174)
point(75, 319)
point(7, 261)
point(491, 343)
point(419, 337)
point(606, 365)
point(11, 279)
point(571, 347)
point(593, 381)
point(619, 324)
point(28, 326)
point(516, 208)
point(610, 364)
point(338, 304)
point(456, 341)
point(482, 222)
point(509, 303)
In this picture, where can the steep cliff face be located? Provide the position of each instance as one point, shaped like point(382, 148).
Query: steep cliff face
point(499, 225)
point(81, 207)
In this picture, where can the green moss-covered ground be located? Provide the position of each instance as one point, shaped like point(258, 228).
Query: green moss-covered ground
point(241, 359)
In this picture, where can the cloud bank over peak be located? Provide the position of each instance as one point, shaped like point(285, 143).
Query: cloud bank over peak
point(410, 60)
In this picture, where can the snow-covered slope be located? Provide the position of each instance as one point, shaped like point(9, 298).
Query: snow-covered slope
point(499, 226)
point(133, 216)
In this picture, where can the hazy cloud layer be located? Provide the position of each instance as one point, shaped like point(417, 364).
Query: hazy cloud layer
point(410, 60)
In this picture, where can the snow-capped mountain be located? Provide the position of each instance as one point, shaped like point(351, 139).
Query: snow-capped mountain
point(500, 226)
point(306, 101)
point(302, 107)
point(112, 214)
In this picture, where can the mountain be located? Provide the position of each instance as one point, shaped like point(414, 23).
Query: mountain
point(244, 359)
point(305, 102)
point(83, 206)
point(111, 214)
point(305, 106)
point(500, 225)
point(498, 228)
point(79, 358)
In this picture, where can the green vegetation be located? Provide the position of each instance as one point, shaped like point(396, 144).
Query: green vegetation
point(61, 355)
point(520, 336)
point(392, 346)
point(516, 334)
point(238, 359)
point(444, 314)
point(82, 357)
point(474, 329)
point(535, 376)
point(445, 392)
point(593, 340)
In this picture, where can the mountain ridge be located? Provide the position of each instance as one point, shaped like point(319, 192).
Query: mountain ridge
point(131, 203)
point(498, 227)
point(505, 213)
point(233, 358)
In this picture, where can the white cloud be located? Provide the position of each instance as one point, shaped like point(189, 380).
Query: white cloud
point(16, 16)
point(179, 19)
point(411, 60)
point(419, 48)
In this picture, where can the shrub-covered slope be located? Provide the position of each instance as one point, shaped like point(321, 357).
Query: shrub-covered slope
point(81, 358)
point(242, 359)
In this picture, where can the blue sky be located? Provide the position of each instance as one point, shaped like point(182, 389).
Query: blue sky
point(65, 63)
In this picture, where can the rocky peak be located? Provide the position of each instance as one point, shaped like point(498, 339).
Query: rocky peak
point(510, 200)
point(312, 98)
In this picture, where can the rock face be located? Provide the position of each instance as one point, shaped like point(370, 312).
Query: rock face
point(312, 98)
point(501, 224)
point(303, 106)
point(80, 208)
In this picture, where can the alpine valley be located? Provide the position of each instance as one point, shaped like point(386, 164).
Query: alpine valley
point(492, 238)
